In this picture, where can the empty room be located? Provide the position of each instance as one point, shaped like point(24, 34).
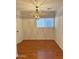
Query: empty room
point(39, 29)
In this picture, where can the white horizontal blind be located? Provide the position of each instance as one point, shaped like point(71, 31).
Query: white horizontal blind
point(45, 23)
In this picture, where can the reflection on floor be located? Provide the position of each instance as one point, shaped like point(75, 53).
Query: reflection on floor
point(39, 49)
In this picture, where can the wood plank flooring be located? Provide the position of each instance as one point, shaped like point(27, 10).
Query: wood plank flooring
point(39, 49)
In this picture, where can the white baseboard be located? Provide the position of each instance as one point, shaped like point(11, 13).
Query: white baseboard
point(59, 44)
point(19, 41)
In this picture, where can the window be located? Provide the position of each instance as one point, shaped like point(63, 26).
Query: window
point(45, 23)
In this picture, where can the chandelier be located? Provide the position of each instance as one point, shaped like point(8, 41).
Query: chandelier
point(36, 14)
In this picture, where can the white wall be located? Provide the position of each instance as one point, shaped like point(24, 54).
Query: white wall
point(32, 32)
point(59, 27)
point(19, 35)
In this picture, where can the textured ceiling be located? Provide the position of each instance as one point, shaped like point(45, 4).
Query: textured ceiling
point(46, 9)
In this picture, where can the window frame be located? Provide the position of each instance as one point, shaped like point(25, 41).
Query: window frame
point(46, 27)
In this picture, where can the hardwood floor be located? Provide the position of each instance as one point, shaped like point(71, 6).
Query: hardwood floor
point(39, 49)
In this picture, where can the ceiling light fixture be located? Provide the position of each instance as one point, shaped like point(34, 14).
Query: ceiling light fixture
point(36, 14)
